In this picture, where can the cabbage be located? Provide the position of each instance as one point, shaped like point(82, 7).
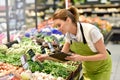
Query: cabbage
point(16, 46)
point(26, 75)
point(3, 48)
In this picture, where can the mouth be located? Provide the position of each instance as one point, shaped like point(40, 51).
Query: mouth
point(62, 31)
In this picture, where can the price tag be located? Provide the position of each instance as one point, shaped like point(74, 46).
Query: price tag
point(31, 53)
point(24, 61)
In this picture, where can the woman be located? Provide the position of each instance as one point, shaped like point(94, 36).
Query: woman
point(86, 43)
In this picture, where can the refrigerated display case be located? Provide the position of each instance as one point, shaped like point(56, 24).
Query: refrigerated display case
point(14, 17)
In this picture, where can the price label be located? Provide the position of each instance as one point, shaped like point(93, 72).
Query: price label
point(24, 61)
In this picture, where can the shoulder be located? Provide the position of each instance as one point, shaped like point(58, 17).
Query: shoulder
point(92, 32)
point(88, 25)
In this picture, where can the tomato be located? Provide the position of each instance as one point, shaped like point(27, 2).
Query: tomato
point(15, 78)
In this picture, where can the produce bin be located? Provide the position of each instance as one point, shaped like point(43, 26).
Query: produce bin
point(77, 74)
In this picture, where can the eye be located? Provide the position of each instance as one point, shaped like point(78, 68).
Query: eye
point(57, 25)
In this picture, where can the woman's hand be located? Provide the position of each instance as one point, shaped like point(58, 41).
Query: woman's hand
point(41, 57)
point(74, 57)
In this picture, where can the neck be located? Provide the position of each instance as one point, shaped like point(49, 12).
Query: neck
point(73, 29)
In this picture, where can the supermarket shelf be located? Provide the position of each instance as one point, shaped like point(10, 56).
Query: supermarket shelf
point(99, 9)
point(99, 5)
point(2, 16)
point(113, 35)
point(107, 5)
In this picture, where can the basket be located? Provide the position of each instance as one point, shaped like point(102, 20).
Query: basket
point(77, 74)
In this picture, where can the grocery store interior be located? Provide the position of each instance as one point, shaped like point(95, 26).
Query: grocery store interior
point(26, 28)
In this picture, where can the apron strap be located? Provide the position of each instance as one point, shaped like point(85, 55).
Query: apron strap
point(84, 40)
point(83, 37)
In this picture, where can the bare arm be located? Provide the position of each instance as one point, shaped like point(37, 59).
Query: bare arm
point(43, 57)
point(66, 47)
point(101, 55)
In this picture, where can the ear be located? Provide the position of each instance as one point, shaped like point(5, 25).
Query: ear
point(68, 19)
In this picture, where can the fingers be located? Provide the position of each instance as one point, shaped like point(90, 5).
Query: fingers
point(69, 57)
point(38, 58)
point(73, 57)
point(41, 57)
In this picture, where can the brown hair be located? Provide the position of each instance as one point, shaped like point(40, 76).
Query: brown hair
point(64, 13)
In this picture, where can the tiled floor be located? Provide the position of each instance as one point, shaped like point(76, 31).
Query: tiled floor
point(115, 54)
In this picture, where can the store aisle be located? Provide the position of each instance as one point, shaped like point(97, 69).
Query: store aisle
point(115, 54)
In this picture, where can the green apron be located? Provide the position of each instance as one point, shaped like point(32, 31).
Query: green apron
point(92, 70)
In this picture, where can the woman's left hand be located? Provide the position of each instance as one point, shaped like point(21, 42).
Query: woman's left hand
point(74, 57)
point(41, 57)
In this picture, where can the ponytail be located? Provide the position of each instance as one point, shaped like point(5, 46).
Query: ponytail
point(74, 11)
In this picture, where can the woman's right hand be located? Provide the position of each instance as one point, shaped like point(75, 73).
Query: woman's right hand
point(41, 57)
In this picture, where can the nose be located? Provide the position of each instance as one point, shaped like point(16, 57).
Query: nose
point(59, 28)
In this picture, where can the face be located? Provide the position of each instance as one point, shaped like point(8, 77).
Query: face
point(61, 25)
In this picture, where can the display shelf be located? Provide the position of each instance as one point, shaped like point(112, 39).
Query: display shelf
point(41, 10)
point(115, 38)
point(109, 12)
point(113, 35)
point(13, 15)
point(14, 12)
point(46, 7)
point(2, 21)
point(99, 9)
point(115, 21)
point(107, 5)
point(99, 5)
point(2, 14)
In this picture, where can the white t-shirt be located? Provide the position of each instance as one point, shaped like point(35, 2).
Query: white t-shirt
point(91, 32)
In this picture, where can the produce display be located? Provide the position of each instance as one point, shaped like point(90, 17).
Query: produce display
point(6, 68)
point(10, 60)
point(28, 75)
point(45, 40)
point(104, 26)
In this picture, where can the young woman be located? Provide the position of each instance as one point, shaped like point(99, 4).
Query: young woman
point(86, 42)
